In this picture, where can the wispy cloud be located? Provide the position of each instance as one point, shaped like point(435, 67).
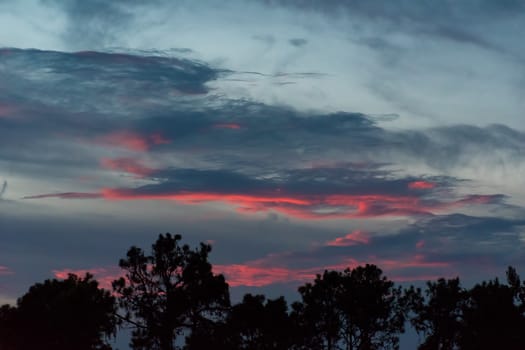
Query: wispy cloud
point(3, 189)
point(314, 193)
point(353, 238)
point(5, 271)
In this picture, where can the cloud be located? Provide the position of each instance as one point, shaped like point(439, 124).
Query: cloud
point(402, 256)
point(66, 195)
point(293, 176)
point(454, 245)
point(233, 126)
point(131, 140)
point(144, 103)
point(432, 65)
point(320, 193)
point(3, 189)
point(5, 271)
point(353, 238)
point(128, 165)
point(298, 42)
point(6, 111)
point(118, 109)
point(421, 185)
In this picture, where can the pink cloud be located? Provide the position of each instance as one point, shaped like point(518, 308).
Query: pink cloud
point(420, 244)
point(158, 139)
point(131, 140)
point(5, 271)
point(6, 111)
point(125, 139)
point(272, 269)
point(311, 207)
point(104, 276)
point(353, 238)
point(421, 185)
point(265, 272)
point(128, 165)
point(301, 206)
point(251, 201)
point(254, 276)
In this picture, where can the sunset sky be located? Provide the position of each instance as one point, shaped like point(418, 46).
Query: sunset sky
point(294, 136)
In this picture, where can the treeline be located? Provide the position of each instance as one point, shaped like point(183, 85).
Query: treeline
point(171, 299)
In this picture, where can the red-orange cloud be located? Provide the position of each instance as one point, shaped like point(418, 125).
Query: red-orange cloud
point(421, 185)
point(305, 206)
point(302, 206)
point(261, 272)
point(252, 201)
point(264, 272)
point(104, 276)
point(253, 276)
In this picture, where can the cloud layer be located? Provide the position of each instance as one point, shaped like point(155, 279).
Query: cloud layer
point(327, 135)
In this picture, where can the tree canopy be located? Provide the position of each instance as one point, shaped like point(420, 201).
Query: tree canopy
point(170, 292)
point(490, 315)
point(353, 309)
point(60, 314)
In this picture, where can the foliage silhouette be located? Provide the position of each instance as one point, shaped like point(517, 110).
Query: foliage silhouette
point(60, 315)
point(492, 319)
point(439, 316)
point(261, 324)
point(490, 315)
point(355, 309)
point(8, 328)
point(170, 292)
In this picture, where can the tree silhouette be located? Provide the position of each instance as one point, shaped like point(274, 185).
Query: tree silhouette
point(261, 324)
point(355, 309)
point(9, 331)
point(318, 315)
point(492, 319)
point(172, 300)
point(60, 314)
point(438, 317)
point(170, 292)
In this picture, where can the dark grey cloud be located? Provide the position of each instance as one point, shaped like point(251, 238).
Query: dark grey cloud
point(298, 42)
point(50, 98)
point(344, 191)
point(355, 179)
point(93, 103)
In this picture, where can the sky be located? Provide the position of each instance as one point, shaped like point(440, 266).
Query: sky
point(294, 136)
